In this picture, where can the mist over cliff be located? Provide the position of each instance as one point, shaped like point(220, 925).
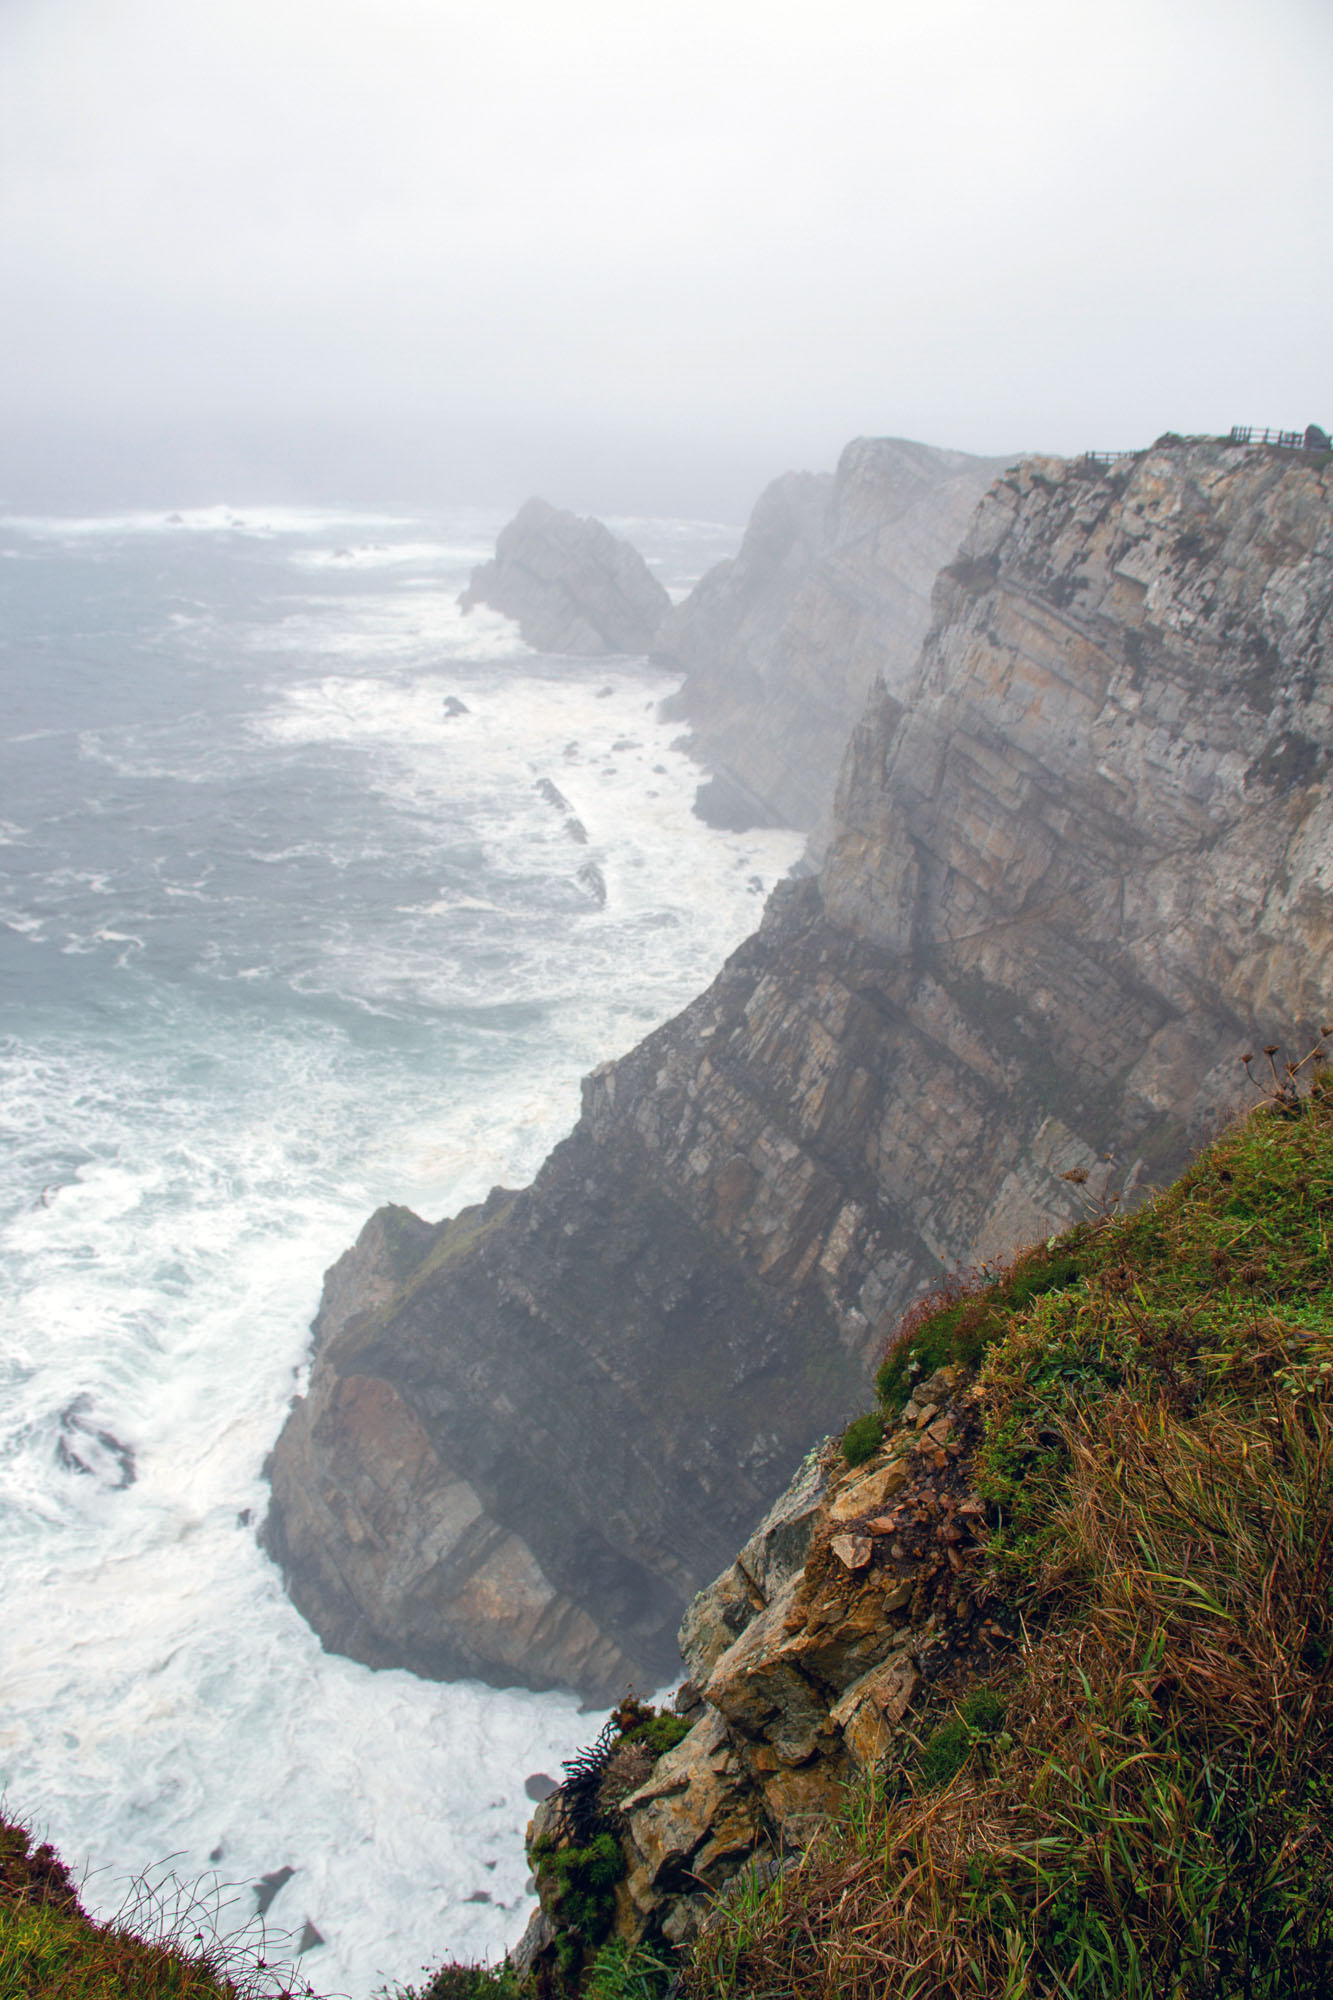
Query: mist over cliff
point(1078, 863)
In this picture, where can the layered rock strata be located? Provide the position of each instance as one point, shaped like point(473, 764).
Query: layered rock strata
point(1079, 868)
point(570, 583)
point(830, 590)
point(804, 1657)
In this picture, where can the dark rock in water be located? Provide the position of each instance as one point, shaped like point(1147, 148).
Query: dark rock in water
point(829, 591)
point(593, 880)
point(453, 705)
point(310, 1938)
point(605, 694)
point(244, 1518)
point(83, 1447)
point(481, 1896)
point(572, 586)
point(539, 1786)
point(625, 743)
point(577, 831)
point(270, 1885)
point(552, 794)
point(216, 1853)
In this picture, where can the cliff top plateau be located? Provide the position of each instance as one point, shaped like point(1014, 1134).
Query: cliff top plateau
point(1079, 863)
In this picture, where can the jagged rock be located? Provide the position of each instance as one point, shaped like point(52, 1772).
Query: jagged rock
point(770, 1558)
point(830, 589)
point(571, 585)
point(790, 1715)
point(1077, 871)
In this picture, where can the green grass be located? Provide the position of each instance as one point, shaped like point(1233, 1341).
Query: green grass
point(1139, 1804)
point(863, 1437)
point(167, 1949)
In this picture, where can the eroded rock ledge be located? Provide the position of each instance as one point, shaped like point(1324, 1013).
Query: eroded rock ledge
point(1079, 867)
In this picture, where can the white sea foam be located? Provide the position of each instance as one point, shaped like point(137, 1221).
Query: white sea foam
point(162, 1290)
point(390, 555)
point(351, 962)
point(407, 626)
point(265, 521)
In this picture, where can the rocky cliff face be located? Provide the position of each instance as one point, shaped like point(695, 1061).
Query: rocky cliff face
point(829, 591)
point(803, 1657)
point(572, 586)
point(1081, 865)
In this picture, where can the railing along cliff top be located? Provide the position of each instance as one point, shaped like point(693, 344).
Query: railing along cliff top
point(1312, 438)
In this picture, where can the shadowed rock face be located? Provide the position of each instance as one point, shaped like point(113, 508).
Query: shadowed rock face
point(1080, 867)
point(829, 591)
point(571, 585)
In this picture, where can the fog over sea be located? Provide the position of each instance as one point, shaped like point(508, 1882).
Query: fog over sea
point(282, 938)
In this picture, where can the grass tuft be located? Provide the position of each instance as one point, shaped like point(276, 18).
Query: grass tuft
point(164, 1945)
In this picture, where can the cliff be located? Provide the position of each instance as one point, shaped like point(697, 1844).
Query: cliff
point(829, 591)
point(571, 585)
point(1078, 866)
point(1026, 1686)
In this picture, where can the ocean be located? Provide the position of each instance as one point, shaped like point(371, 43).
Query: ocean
point(295, 919)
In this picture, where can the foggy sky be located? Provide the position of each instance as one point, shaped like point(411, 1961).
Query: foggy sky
point(646, 254)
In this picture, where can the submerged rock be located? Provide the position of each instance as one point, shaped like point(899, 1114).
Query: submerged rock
point(86, 1447)
point(570, 583)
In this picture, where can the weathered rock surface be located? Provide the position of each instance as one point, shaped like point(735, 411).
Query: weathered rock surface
point(817, 1677)
point(830, 590)
point(570, 583)
point(1077, 871)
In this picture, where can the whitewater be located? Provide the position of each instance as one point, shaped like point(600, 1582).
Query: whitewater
point(295, 919)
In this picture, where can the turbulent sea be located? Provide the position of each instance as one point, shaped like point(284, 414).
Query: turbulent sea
point(293, 921)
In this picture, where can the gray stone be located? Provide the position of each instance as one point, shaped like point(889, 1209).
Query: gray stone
point(570, 583)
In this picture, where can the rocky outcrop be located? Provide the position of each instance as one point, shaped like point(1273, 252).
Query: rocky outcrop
point(830, 590)
point(571, 585)
point(1078, 869)
point(804, 1657)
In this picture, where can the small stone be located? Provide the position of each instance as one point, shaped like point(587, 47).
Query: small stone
point(852, 1551)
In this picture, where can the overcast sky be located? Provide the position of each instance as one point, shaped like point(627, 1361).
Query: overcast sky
point(678, 242)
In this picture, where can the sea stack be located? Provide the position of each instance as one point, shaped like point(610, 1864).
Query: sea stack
point(572, 585)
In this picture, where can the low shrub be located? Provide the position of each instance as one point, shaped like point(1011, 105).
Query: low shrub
point(863, 1437)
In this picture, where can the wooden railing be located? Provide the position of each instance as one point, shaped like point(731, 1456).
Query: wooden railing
point(1289, 440)
point(1107, 457)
